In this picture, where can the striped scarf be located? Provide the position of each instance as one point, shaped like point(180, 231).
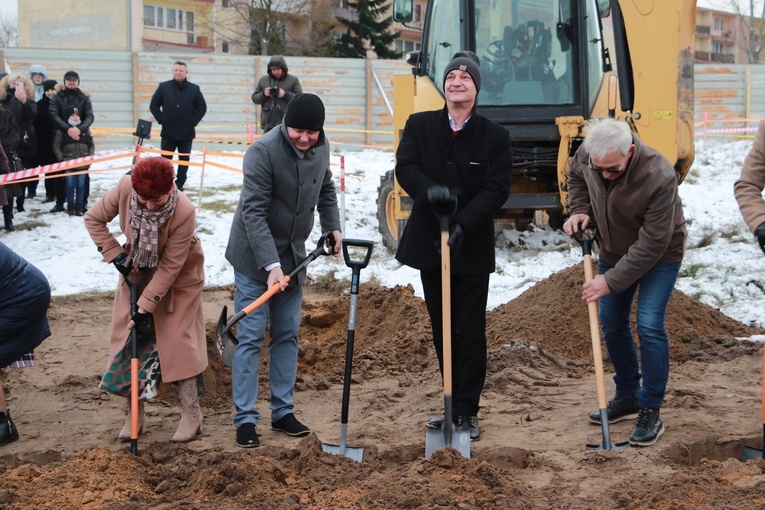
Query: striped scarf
point(145, 224)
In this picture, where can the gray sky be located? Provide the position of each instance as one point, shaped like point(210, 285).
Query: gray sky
point(9, 7)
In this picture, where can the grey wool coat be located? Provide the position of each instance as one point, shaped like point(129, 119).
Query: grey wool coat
point(282, 188)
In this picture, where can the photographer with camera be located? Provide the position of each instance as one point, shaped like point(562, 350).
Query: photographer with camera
point(274, 91)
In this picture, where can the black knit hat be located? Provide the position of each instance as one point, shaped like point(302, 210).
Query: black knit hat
point(466, 61)
point(72, 75)
point(49, 84)
point(71, 109)
point(305, 111)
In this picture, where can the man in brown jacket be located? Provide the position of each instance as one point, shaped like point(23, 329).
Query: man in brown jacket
point(630, 190)
point(748, 187)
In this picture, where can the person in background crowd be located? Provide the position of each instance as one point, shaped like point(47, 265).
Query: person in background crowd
point(16, 92)
point(630, 191)
point(66, 148)
point(38, 75)
point(443, 154)
point(9, 140)
point(179, 106)
point(274, 218)
point(274, 92)
point(45, 129)
point(70, 93)
point(159, 223)
point(24, 300)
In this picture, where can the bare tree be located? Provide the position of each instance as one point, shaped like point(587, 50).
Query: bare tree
point(274, 26)
point(9, 31)
point(752, 26)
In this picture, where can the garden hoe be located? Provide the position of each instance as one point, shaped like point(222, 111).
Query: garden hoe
point(585, 240)
point(353, 452)
point(459, 439)
point(756, 453)
point(225, 340)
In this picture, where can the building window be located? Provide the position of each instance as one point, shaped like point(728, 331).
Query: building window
point(718, 48)
point(226, 4)
point(224, 47)
point(405, 47)
point(166, 18)
point(719, 24)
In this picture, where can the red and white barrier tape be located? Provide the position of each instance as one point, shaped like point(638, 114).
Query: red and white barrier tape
point(33, 172)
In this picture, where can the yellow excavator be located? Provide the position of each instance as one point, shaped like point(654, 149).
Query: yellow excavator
point(547, 68)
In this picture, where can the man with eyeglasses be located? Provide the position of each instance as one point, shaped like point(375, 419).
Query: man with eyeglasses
point(629, 190)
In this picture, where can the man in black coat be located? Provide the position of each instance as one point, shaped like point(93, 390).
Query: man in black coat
point(455, 152)
point(179, 106)
point(66, 95)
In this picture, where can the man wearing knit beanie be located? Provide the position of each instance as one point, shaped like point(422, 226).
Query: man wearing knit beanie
point(447, 157)
point(286, 178)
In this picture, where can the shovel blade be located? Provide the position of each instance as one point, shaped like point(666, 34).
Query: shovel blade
point(225, 341)
point(436, 439)
point(352, 452)
point(751, 453)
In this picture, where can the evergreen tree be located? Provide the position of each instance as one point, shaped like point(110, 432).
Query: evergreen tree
point(370, 26)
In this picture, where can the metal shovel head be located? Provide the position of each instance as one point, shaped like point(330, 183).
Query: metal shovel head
point(352, 452)
point(751, 453)
point(436, 439)
point(224, 340)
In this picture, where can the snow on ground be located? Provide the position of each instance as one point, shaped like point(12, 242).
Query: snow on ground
point(723, 266)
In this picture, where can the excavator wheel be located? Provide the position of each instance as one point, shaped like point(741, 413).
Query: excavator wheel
point(386, 208)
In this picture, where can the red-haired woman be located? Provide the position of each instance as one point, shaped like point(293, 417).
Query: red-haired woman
point(158, 222)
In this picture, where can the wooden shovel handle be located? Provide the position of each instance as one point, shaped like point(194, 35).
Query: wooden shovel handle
point(597, 353)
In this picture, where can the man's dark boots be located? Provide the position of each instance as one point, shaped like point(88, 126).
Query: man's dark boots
point(8, 215)
point(8, 431)
point(621, 407)
point(70, 210)
point(78, 210)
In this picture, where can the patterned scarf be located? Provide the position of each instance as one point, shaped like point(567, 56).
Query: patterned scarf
point(145, 224)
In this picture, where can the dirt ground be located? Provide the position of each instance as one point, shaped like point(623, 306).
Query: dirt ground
point(531, 455)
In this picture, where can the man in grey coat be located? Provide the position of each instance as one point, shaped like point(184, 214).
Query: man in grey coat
point(286, 177)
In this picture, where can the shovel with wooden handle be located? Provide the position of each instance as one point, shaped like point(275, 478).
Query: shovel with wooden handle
point(225, 340)
point(459, 439)
point(585, 240)
point(356, 264)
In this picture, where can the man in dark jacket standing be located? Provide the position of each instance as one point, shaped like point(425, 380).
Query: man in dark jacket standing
point(442, 154)
point(630, 190)
point(274, 92)
point(179, 106)
point(70, 94)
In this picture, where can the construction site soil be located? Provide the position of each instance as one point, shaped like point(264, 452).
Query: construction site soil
point(540, 386)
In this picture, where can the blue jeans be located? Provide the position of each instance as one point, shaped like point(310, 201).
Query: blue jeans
point(655, 290)
point(284, 311)
point(75, 183)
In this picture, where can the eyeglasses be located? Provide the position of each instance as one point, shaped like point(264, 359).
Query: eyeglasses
point(612, 169)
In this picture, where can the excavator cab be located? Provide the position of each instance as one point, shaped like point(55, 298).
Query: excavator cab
point(546, 70)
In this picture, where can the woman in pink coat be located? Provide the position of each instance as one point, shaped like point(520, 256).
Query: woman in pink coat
point(159, 223)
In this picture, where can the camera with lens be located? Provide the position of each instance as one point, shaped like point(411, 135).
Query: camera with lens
point(274, 92)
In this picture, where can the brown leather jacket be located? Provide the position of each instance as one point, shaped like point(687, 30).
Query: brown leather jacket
point(748, 188)
point(639, 216)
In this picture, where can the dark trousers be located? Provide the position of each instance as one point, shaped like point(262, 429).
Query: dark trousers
point(469, 294)
point(183, 147)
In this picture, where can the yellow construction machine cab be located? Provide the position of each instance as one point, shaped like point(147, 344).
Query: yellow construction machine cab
point(547, 67)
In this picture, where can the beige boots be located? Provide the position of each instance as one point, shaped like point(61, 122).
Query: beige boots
point(191, 414)
point(124, 435)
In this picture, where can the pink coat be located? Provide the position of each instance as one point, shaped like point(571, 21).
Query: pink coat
point(172, 291)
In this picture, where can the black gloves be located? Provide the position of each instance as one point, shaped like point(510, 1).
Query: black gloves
point(119, 263)
point(142, 321)
point(438, 195)
point(456, 236)
point(759, 233)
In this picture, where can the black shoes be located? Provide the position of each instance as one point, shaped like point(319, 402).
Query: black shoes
point(619, 408)
point(9, 224)
point(49, 200)
point(648, 428)
point(471, 422)
point(247, 436)
point(8, 431)
point(58, 208)
point(290, 426)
